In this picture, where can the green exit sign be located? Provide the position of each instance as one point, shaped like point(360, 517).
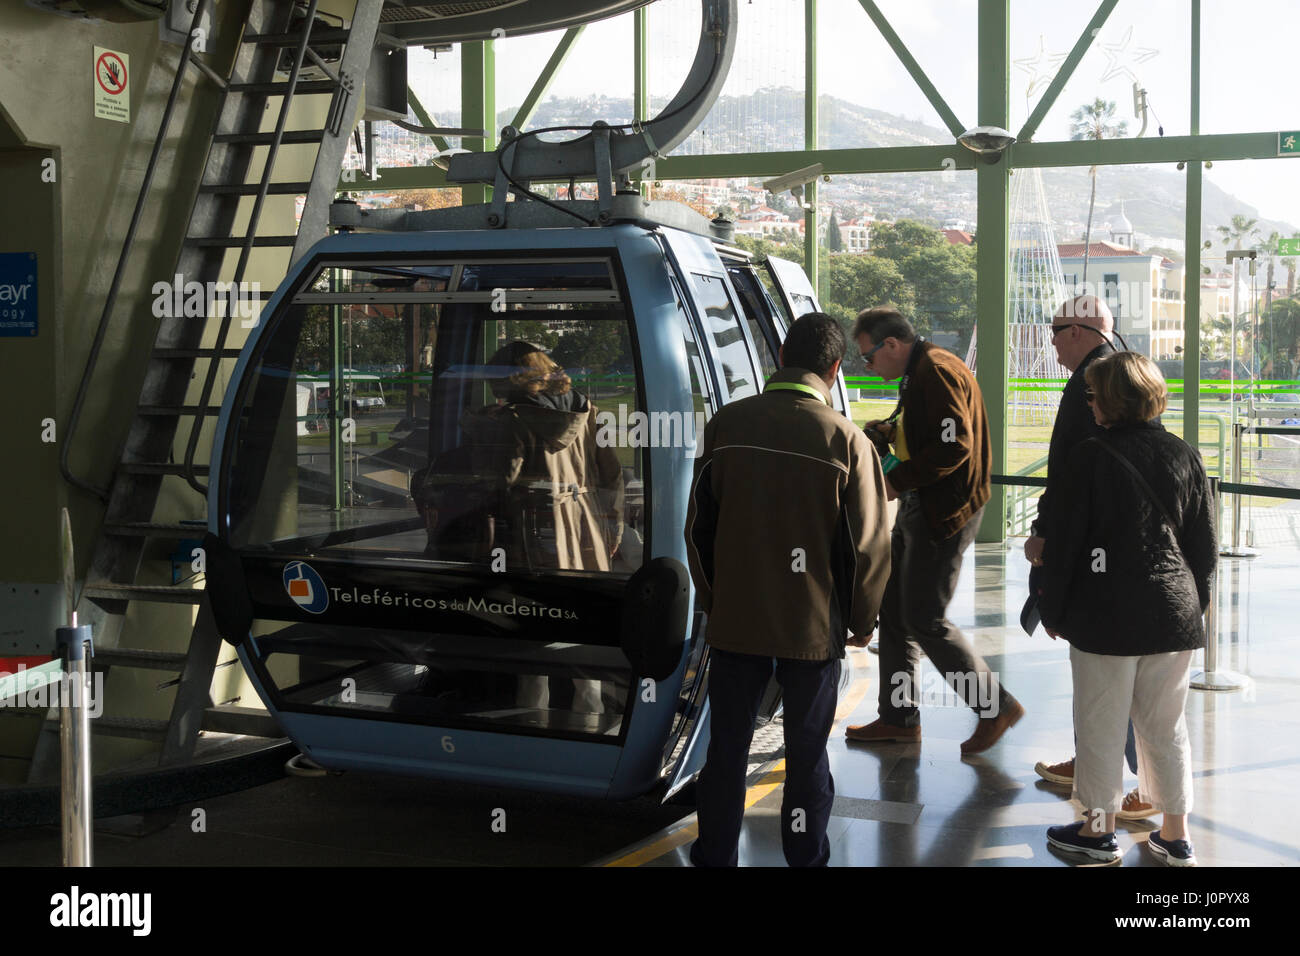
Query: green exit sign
point(1288, 143)
point(1288, 247)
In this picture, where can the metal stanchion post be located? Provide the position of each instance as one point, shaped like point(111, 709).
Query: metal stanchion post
point(74, 740)
point(1210, 677)
point(1236, 550)
point(73, 643)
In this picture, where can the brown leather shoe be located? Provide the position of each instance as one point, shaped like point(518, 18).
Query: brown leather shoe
point(879, 732)
point(1134, 808)
point(1060, 773)
point(989, 730)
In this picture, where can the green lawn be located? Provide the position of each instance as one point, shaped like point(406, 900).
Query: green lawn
point(1027, 444)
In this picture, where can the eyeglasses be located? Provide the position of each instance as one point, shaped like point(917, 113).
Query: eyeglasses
point(866, 356)
point(1058, 329)
point(1090, 395)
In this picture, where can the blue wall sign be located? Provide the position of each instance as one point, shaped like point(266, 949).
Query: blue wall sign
point(18, 307)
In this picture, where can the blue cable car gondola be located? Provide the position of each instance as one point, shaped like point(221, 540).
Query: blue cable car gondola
point(451, 471)
point(484, 577)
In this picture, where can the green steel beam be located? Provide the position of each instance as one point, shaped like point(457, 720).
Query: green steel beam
point(909, 63)
point(1192, 310)
point(402, 177)
point(422, 115)
point(478, 107)
point(894, 159)
point(810, 137)
point(543, 83)
point(1194, 100)
point(640, 80)
point(992, 191)
point(901, 159)
point(1192, 257)
point(725, 165)
point(1062, 77)
point(1165, 149)
point(337, 410)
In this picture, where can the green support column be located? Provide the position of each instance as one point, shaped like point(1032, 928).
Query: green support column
point(337, 409)
point(1192, 309)
point(810, 137)
point(640, 81)
point(478, 106)
point(1192, 267)
point(991, 250)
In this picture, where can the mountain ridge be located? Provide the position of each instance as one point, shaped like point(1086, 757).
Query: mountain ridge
point(1152, 196)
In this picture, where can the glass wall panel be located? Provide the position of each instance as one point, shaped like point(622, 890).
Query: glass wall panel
point(761, 106)
point(1250, 309)
point(866, 96)
point(1143, 42)
point(1133, 260)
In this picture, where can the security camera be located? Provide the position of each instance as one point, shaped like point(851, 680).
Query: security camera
point(986, 139)
point(795, 180)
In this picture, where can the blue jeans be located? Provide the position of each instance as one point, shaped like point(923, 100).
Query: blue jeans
point(736, 685)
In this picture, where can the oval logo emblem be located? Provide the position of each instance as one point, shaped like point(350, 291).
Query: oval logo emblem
point(305, 587)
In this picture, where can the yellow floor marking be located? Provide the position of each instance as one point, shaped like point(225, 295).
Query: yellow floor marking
point(772, 780)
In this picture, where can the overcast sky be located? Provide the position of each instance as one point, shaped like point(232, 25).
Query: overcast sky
point(1249, 65)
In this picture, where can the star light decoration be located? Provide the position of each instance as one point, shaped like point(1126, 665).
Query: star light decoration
point(1120, 60)
point(1041, 68)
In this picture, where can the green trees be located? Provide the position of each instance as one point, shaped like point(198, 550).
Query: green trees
point(1094, 120)
point(1283, 318)
point(834, 241)
point(596, 347)
point(911, 266)
point(535, 331)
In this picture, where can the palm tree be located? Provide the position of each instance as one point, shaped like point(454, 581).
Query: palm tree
point(1094, 120)
point(1240, 228)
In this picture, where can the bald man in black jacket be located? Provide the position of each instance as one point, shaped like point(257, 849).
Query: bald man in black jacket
point(1081, 331)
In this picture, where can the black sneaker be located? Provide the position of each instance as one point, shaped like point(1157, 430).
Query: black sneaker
point(1069, 838)
point(1171, 852)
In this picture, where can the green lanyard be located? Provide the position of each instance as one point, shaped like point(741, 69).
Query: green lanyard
point(796, 387)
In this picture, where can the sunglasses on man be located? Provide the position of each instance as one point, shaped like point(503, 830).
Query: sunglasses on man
point(866, 356)
point(1058, 329)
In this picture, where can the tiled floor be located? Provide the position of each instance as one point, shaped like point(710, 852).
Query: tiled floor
point(923, 805)
point(896, 805)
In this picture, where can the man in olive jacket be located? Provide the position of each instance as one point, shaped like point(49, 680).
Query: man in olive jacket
point(789, 550)
point(939, 470)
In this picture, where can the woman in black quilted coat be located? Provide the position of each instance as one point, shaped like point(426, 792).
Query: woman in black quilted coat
point(1126, 582)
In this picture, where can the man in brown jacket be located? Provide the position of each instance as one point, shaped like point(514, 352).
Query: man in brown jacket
point(789, 551)
point(939, 471)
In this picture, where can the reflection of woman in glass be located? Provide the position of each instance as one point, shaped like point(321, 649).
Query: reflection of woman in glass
point(562, 494)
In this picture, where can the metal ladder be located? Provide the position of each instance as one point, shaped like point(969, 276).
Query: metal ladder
point(274, 31)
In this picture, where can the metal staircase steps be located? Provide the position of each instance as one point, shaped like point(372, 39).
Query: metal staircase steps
point(276, 33)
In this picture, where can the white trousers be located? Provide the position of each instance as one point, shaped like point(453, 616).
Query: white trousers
point(1152, 690)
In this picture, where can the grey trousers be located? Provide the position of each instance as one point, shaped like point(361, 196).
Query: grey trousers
point(913, 618)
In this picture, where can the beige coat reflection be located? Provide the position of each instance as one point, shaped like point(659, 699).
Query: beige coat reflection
point(551, 474)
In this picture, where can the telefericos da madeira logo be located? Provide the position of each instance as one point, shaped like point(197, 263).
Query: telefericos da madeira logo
point(305, 587)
